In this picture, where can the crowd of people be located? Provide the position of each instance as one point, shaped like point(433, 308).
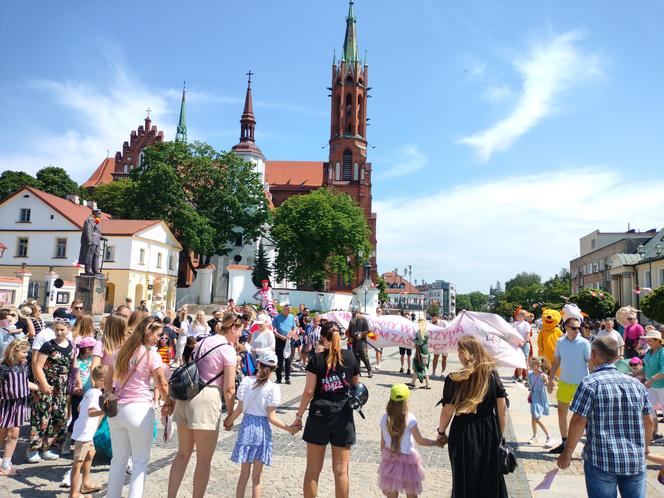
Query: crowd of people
point(63, 379)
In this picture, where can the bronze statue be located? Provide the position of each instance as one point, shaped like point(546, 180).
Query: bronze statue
point(90, 254)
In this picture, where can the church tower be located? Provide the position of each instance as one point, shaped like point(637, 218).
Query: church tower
point(348, 170)
point(246, 147)
point(181, 133)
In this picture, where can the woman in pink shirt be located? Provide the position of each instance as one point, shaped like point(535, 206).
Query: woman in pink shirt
point(198, 419)
point(134, 365)
point(632, 334)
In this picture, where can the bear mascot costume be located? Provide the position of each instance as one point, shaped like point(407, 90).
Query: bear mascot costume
point(549, 335)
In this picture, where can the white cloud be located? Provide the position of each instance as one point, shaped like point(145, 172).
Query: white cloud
point(409, 159)
point(477, 233)
point(496, 93)
point(547, 71)
point(104, 118)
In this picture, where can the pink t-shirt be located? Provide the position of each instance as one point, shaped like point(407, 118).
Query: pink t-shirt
point(137, 386)
point(98, 350)
point(215, 362)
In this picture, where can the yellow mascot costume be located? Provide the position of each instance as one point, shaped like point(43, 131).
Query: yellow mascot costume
point(549, 335)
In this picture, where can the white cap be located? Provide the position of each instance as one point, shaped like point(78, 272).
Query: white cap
point(268, 358)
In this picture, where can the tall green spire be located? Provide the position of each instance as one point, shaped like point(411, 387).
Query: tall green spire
point(350, 42)
point(181, 134)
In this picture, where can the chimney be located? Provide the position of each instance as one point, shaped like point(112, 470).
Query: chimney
point(73, 198)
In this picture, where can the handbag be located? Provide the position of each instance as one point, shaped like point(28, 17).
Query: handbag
point(506, 458)
point(109, 402)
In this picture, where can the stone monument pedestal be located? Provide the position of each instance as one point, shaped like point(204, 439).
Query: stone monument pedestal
point(91, 289)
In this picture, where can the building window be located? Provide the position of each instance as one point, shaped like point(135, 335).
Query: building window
point(661, 277)
point(60, 248)
point(159, 256)
point(141, 256)
point(593, 243)
point(647, 279)
point(109, 253)
point(62, 298)
point(348, 165)
point(170, 262)
point(24, 216)
point(356, 172)
point(337, 172)
point(33, 290)
point(22, 247)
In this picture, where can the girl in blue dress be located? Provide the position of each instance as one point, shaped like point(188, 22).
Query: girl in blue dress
point(539, 402)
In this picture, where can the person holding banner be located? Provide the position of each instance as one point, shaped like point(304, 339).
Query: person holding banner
point(357, 331)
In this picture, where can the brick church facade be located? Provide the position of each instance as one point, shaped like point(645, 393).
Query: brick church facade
point(346, 170)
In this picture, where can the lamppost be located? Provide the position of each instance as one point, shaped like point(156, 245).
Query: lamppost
point(408, 270)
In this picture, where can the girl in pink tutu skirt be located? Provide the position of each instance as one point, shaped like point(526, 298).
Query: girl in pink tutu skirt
point(400, 469)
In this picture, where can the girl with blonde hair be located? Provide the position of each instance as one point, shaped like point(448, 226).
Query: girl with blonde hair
point(115, 333)
point(134, 366)
point(474, 402)
point(84, 327)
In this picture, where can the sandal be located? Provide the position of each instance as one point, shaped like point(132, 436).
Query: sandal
point(11, 471)
point(425, 387)
point(93, 489)
point(412, 386)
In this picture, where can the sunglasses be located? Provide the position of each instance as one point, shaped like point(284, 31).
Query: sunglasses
point(631, 319)
point(77, 308)
point(573, 328)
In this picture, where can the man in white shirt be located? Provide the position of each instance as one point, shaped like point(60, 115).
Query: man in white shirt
point(613, 334)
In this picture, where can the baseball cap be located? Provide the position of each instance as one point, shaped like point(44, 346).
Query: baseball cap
point(268, 358)
point(399, 392)
point(635, 361)
point(63, 313)
point(87, 342)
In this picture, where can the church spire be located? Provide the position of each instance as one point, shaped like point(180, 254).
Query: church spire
point(350, 41)
point(181, 134)
point(248, 125)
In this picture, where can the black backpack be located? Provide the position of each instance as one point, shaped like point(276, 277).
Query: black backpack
point(185, 382)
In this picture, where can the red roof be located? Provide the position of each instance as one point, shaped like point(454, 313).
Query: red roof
point(125, 227)
point(296, 173)
point(75, 213)
point(103, 173)
point(392, 278)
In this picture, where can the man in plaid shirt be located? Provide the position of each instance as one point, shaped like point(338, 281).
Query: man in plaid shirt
point(614, 410)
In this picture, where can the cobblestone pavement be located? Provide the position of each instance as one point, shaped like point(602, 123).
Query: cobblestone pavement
point(284, 477)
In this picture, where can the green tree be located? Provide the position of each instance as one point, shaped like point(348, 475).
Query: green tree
point(594, 302)
point(652, 305)
point(318, 235)
point(57, 181)
point(112, 197)
point(463, 302)
point(261, 266)
point(381, 284)
point(473, 301)
point(556, 289)
point(523, 279)
point(11, 181)
point(434, 309)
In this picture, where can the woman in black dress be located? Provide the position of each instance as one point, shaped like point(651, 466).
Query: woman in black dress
point(330, 375)
point(474, 401)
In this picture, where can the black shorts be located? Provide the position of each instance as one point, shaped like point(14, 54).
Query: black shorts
point(403, 351)
point(330, 424)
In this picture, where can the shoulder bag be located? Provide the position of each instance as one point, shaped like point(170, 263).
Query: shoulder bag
point(506, 458)
point(109, 402)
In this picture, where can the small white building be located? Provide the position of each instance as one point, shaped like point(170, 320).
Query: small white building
point(42, 234)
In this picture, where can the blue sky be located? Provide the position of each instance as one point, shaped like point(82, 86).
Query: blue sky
point(503, 131)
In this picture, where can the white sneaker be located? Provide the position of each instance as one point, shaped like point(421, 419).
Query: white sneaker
point(549, 442)
point(33, 457)
point(533, 440)
point(66, 480)
point(49, 455)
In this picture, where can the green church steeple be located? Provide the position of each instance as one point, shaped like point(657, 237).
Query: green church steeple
point(350, 41)
point(181, 134)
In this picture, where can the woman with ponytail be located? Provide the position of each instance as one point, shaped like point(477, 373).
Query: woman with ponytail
point(474, 402)
point(330, 374)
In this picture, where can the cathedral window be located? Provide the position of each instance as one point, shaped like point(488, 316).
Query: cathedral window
point(125, 169)
point(349, 114)
point(362, 173)
point(360, 121)
point(348, 165)
point(337, 172)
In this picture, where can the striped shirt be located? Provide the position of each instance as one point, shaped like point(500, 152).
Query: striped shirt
point(614, 405)
point(14, 381)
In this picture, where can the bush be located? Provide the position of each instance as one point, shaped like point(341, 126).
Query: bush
point(652, 305)
point(596, 303)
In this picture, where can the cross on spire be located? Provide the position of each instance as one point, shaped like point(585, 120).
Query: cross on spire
point(250, 74)
point(148, 110)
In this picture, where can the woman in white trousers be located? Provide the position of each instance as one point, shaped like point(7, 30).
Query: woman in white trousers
point(134, 366)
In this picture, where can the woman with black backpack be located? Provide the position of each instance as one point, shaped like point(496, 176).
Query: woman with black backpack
point(198, 419)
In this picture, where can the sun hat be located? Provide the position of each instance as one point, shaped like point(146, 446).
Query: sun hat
point(25, 312)
point(399, 392)
point(87, 342)
point(635, 361)
point(268, 358)
point(653, 334)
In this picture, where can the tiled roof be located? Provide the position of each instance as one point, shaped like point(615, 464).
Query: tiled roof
point(392, 278)
point(75, 213)
point(103, 173)
point(125, 227)
point(295, 173)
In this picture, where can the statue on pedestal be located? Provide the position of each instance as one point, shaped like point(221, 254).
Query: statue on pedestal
point(90, 254)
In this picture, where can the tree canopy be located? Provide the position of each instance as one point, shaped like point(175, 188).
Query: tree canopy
point(318, 235)
point(652, 305)
point(473, 301)
point(596, 303)
point(50, 179)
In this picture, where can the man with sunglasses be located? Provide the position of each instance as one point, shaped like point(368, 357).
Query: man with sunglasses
point(571, 356)
point(77, 308)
